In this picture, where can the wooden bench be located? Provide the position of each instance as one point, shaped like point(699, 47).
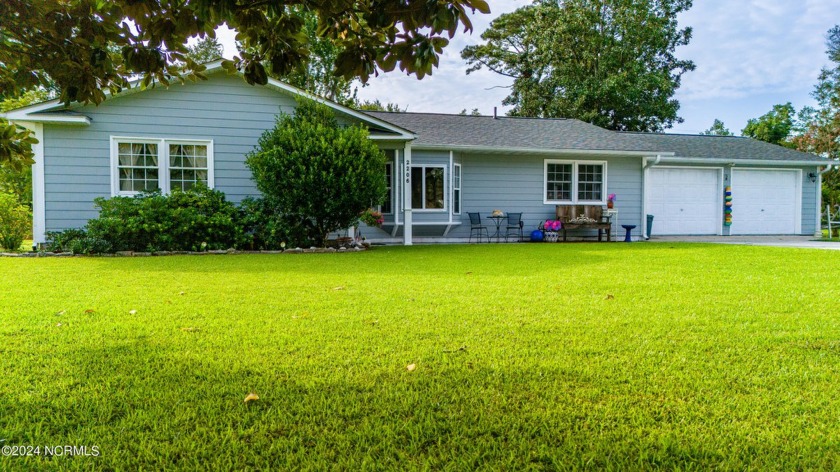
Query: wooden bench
point(566, 213)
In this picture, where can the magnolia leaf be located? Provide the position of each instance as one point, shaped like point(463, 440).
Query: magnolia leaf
point(609, 297)
point(338, 288)
point(89, 311)
point(411, 367)
point(58, 324)
point(252, 397)
point(132, 312)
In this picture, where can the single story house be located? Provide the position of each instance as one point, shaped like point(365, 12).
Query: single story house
point(440, 167)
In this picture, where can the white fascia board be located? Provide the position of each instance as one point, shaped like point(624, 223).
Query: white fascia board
point(383, 137)
point(539, 151)
point(45, 118)
point(737, 162)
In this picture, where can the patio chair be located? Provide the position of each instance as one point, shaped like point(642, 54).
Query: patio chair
point(833, 221)
point(477, 227)
point(514, 225)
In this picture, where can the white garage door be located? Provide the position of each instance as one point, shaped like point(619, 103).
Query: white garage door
point(685, 200)
point(766, 201)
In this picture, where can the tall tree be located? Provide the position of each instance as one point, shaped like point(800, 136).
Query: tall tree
point(820, 129)
point(607, 62)
point(717, 129)
point(207, 49)
point(376, 105)
point(89, 46)
point(774, 126)
point(318, 75)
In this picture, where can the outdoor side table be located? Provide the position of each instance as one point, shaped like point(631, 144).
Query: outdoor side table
point(498, 221)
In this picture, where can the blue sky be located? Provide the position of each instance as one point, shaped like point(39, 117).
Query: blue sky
point(750, 55)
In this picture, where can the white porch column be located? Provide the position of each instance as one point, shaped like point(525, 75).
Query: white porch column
point(818, 231)
point(407, 229)
point(39, 219)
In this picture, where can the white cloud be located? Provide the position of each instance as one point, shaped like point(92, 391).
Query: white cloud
point(753, 47)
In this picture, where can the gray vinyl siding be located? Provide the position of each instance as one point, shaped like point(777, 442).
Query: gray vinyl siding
point(516, 184)
point(224, 109)
point(809, 202)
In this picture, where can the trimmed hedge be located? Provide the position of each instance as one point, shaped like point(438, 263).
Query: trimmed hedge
point(195, 220)
point(199, 219)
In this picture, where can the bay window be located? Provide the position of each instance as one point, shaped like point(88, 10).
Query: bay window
point(427, 187)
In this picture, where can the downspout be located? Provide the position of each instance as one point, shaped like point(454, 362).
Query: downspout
point(646, 164)
point(655, 161)
point(818, 230)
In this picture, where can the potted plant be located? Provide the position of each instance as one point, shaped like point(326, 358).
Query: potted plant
point(610, 200)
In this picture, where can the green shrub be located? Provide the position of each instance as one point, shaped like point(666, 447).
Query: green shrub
point(320, 176)
point(62, 241)
point(194, 220)
point(89, 245)
point(265, 227)
point(15, 222)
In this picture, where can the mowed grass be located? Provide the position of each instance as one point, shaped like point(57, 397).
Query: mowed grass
point(528, 357)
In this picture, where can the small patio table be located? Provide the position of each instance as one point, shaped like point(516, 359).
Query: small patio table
point(498, 221)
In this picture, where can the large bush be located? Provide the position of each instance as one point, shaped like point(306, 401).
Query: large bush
point(320, 176)
point(265, 227)
point(15, 222)
point(193, 220)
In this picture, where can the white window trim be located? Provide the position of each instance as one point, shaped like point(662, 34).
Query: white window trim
point(460, 173)
point(163, 161)
point(391, 190)
point(574, 200)
point(445, 193)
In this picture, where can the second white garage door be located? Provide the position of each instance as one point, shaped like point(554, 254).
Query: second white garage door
point(685, 200)
point(766, 201)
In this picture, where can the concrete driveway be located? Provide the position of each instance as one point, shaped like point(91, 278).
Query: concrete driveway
point(806, 242)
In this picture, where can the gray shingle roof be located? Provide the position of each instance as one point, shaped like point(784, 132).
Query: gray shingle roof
point(507, 132)
point(434, 129)
point(721, 147)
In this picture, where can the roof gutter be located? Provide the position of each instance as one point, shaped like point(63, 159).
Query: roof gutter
point(525, 150)
point(730, 161)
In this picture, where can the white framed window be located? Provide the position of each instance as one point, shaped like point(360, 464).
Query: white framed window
point(387, 207)
point(428, 187)
point(575, 182)
point(148, 164)
point(456, 189)
point(138, 166)
point(188, 165)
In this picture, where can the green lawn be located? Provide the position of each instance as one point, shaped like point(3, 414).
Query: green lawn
point(528, 357)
